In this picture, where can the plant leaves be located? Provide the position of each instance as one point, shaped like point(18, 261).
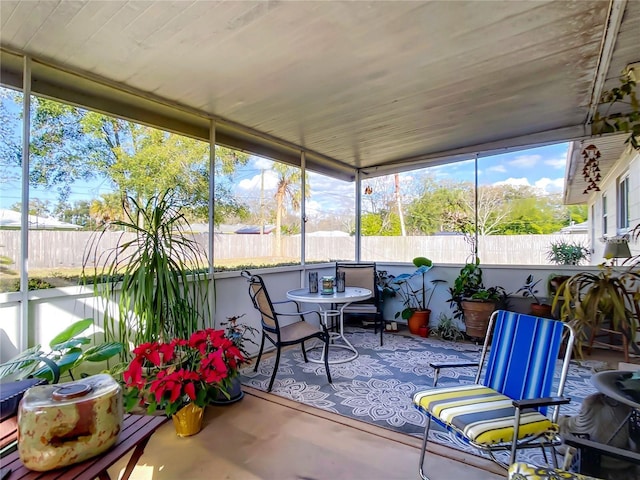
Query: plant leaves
point(71, 331)
point(74, 342)
point(100, 353)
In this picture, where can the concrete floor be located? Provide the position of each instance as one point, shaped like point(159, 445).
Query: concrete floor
point(267, 437)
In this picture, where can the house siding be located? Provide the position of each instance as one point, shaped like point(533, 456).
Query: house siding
point(628, 163)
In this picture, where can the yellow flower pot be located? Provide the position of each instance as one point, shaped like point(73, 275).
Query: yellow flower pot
point(188, 420)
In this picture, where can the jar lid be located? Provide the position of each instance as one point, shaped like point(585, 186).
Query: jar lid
point(71, 392)
point(74, 390)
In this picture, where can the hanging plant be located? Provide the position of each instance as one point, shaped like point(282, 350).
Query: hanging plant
point(628, 120)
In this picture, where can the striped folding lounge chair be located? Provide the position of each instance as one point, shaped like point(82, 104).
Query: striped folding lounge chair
point(506, 407)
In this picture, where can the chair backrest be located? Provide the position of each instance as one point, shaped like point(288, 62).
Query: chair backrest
point(523, 355)
point(261, 301)
point(360, 275)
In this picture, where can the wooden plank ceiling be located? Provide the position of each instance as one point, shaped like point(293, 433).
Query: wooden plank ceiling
point(371, 85)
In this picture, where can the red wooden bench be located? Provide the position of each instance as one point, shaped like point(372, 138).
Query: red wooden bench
point(136, 432)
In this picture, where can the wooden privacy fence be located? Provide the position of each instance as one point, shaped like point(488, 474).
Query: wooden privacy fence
point(65, 249)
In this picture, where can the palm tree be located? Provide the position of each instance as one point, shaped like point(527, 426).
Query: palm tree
point(107, 209)
point(288, 189)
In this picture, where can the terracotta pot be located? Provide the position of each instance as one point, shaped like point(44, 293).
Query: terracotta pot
point(188, 420)
point(541, 310)
point(423, 331)
point(476, 317)
point(418, 319)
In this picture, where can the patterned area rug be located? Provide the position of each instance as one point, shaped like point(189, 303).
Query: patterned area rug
point(377, 387)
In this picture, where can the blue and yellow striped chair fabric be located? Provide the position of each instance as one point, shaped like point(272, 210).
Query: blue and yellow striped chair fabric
point(518, 362)
point(526, 471)
point(479, 414)
point(523, 356)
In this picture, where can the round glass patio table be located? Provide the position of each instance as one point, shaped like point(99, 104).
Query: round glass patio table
point(325, 302)
point(607, 383)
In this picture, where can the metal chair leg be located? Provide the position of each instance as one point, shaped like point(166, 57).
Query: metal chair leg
point(304, 353)
point(275, 369)
point(424, 448)
point(326, 359)
point(255, 368)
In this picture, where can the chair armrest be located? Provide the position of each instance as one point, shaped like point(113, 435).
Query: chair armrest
point(296, 314)
point(602, 449)
point(282, 302)
point(540, 402)
point(439, 366)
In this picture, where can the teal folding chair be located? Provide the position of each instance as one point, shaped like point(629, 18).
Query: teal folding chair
point(506, 408)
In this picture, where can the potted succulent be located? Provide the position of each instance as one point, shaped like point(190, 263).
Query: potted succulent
point(415, 300)
point(472, 301)
point(538, 308)
point(181, 376)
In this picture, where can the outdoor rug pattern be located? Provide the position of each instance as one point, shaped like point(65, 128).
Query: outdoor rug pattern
point(378, 386)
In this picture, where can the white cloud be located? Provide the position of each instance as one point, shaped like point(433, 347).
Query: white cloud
point(550, 185)
point(263, 164)
point(497, 168)
point(546, 185)
point(313, 208)
point(516, 182)
point(253, 183)
point(557, 163)
point(525, 161)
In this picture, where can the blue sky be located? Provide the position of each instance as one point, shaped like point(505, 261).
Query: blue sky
point(541, 167)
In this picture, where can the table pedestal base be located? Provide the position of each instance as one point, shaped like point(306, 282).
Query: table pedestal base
point(346, 346)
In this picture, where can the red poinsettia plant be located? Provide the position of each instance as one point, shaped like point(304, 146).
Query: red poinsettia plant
point(170, 375)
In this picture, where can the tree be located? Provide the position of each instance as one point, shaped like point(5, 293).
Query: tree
point(69, 145)
point(36, 207)
point(108, 208)
point(380, 199)
point(380, 224)
point(76, 213)
point(287, 191)
point(10, 149)
point(502, 210)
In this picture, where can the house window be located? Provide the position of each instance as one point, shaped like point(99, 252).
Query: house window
point(604, 215)
point(623, 203)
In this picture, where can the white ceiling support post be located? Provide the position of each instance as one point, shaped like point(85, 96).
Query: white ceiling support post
point(303, 206)
point(358, 214)
point(475, 219)
point(612, 27)
point(23, 328)
point(303, 216)
point(212, 180)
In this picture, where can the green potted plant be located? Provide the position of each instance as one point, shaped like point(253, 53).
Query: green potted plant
point(626, 119)
point(567, 253)
point(156, 273)
point(415, 300)
point(472, 301)
point(538, 308)
point(447, 329)
point(68, 351)
point(608, 298)
point(238, 334)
